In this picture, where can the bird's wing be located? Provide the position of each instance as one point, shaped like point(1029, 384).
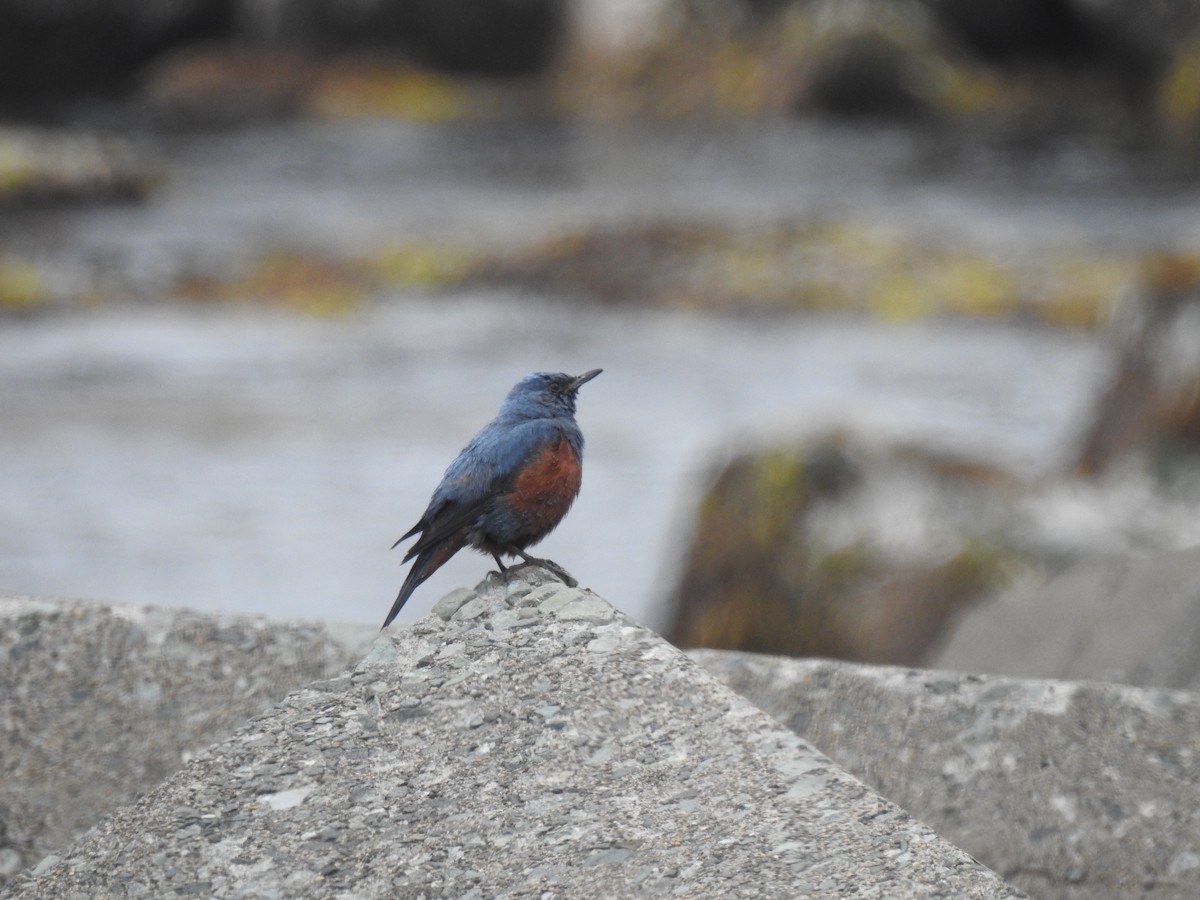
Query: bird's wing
point(485, 469)
point(446, 521)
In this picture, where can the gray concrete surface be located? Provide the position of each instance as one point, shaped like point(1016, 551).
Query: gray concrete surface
point(101, 702)
point(1067, 789)
point(525, 740)
point(1130, 620)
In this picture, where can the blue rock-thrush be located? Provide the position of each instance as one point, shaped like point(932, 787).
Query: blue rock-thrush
point(509, 487)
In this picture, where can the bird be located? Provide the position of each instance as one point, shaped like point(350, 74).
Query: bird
point(510, 485)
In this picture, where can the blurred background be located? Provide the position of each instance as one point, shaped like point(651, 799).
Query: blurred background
point(898, 302)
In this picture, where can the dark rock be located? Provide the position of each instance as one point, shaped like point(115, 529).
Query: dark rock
point(502, 38)
point(222, 87)
point(613, 265)
point(869, 76)
point(1008, 31)
point(51, 52)
point(1149, 33)
point(1102, 67)
point(1078, 791)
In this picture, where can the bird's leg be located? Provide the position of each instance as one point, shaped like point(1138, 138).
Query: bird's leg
point(558, 571)
point(500, 564)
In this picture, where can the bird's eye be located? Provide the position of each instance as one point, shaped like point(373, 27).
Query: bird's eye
point(556, 387)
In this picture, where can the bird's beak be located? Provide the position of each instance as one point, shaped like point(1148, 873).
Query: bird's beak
point(584, 379)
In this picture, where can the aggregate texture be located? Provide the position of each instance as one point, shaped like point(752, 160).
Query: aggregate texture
point(101, 702)
point(525, 739)
point(1068, 789)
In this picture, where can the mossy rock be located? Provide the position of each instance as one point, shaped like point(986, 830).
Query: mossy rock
point(837, 548)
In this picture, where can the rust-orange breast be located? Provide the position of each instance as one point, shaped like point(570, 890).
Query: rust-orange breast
point(546, 487)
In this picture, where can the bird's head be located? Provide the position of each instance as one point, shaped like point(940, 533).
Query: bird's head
point(546, 394)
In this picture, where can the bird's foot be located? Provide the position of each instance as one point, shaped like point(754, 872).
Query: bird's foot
point(503, 576)
point(554, 569)
point(501, 570)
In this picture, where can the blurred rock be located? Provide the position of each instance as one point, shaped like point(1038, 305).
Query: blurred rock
point(1012, 30)
point(1148, 33)
point(844, 266)
point(499, 38)
point(1151, 409)
point(869, 76)
point(51, 52)
point(1084, 67)
point(39, 166)
point(1026, 75)
point(1078, 791)
point(839, 548)
point(229, 87)
point(630, 264)
point(224, 87)
point(1040, 69)
point(56, 53)
point(880, 59)
point(1131, 43)
point(1134, 621)
point(101, 702)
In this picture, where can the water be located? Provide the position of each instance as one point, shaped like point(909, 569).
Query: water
point(348, 188)
point(238, 459)
point(246, 461)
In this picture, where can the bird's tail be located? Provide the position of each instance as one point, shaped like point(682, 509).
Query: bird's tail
point(420, 526)
point(428, 561)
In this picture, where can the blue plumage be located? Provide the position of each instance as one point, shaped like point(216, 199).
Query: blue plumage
point(510, 486)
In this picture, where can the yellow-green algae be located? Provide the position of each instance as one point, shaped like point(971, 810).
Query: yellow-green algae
point(318, 285)
point(1179, 89)
point(422, 264)
point(825, 267)
point(21, 286)
point(820, 268)
point(379, 89)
